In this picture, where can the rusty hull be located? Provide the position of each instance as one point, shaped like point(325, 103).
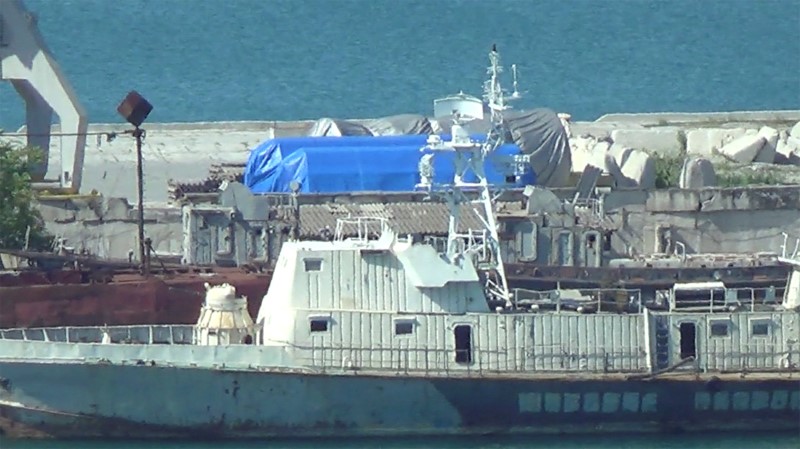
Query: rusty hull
point(71, 298)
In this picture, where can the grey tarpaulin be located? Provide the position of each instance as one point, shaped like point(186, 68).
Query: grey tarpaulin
point(539, 133)
point(400, 125)
point(333, 127)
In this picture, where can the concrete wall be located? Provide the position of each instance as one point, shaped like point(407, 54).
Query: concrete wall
point(108, 227)
point(736, 220)
point(742, 220)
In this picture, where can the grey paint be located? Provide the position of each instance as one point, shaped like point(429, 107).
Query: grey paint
point(729, 221)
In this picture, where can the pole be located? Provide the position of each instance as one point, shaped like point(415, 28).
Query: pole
point(143, 259)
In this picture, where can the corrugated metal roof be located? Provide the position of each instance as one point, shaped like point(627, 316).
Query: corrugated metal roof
point(426, 218)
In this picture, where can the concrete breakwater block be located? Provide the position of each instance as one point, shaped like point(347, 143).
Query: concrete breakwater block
point(581, 149)
point(608, 164)
point(620, 153)
point(787, 150)
point(767, 152)
point(744, 149)
point(628, 167)
point(697, 173)
point(640, 169)
point(664, 141)
point(795, 131)
point(600, 131)
point(705, 141)
point(587, 149)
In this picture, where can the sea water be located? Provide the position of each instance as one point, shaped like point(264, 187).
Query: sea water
point(198, 60)
point(728, 440)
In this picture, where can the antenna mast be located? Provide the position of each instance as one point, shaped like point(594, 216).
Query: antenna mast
point(482, 245)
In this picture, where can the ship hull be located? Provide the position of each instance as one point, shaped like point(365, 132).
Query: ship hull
point(112, 401)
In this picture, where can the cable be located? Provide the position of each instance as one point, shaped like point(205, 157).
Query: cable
point(110, 135)
point(97, 133)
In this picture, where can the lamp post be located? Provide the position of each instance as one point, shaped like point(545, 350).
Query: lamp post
point(135, 109)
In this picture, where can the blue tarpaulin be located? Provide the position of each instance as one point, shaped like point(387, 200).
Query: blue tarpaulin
point(350, 164)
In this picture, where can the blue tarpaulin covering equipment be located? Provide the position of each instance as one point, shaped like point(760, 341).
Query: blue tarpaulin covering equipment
point(358, 163)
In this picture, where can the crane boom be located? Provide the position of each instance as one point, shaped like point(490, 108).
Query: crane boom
point(29, 65)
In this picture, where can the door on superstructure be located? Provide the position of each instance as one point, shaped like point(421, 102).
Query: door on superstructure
point(463, 337)
point(591, 249)
point(688, 333)
point(564, 248)
point(527, 236)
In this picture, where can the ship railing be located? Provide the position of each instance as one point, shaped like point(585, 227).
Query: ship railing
point(360, 229)
point(473, 362)
point(711, 297)
point(585, 299)
point(474, 242)
point(594, 208)
point(789, 251)
point(754, 357)
point(144, 334)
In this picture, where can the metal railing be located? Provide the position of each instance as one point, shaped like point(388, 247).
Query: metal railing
point(360, 229)
point(785, 252)
point(711, 299)
point(596, 299)
point(155, 334)
point(749, 360)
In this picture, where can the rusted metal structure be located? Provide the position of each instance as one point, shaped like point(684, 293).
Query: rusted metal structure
point(80, 291)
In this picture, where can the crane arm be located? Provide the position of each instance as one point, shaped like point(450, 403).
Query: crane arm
point(29, 65)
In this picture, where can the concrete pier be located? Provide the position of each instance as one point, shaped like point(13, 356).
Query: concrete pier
point(706, 220)
point(185, 151)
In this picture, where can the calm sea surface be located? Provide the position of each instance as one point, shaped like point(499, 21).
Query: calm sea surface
point(200, 60)
point(706, 441)
point(289, 59)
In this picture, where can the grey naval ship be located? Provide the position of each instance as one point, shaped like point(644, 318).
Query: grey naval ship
point(374, 333)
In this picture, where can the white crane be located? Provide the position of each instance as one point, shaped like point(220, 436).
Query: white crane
point(27, 63)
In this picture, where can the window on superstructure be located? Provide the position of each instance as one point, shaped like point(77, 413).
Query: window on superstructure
point(318, 325)
point(404, 327)
point(313, 264)
point(759, 328)
point(719, 328)
point(591, 239)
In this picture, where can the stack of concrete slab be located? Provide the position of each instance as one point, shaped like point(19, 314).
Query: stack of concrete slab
point(730, 138)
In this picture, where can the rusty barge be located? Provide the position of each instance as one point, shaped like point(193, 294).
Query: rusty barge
point(80, 291)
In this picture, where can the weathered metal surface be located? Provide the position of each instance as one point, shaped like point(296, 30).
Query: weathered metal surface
point(535, 276)
point(266, 404)
point(126, 299)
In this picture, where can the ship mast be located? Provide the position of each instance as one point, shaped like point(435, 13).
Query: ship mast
point(483, 245)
